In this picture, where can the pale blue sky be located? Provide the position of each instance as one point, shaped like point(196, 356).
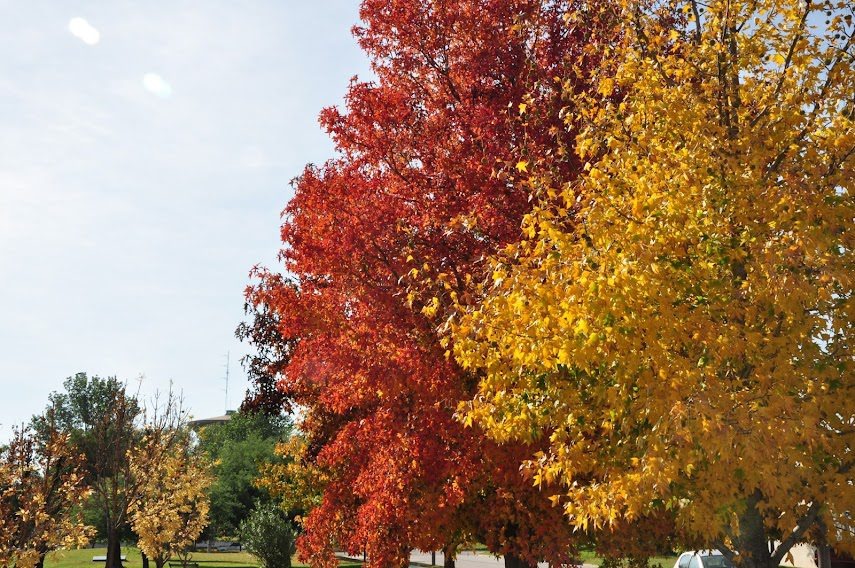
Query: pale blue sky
point(129, 218)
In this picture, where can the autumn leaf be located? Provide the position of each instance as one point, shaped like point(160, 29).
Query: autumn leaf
point(675, 333)
point(422, 176)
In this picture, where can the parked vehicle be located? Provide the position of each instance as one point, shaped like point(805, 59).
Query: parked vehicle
point(703, 559)
point(801, 555)
point(218, 546)
point(228, 547)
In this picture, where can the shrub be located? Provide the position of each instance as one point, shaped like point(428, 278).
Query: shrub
point(269, 535)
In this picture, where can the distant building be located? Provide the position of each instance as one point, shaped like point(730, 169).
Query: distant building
point(196, 424)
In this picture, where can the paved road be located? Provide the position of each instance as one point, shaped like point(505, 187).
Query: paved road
point(468, 559)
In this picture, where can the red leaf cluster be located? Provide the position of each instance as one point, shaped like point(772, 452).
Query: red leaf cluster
point(425, 179)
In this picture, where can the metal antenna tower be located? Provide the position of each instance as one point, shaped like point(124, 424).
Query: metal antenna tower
point(228, 353)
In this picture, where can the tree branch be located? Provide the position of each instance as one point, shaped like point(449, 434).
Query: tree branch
point(787, 62)
point(806, 522)
point(725, 550)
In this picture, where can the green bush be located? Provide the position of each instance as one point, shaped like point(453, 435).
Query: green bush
point(269, 535)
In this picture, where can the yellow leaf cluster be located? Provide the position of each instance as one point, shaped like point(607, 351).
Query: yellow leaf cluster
point(682, 339)
point(41, 496)
point(172, 509)
point(295, 482)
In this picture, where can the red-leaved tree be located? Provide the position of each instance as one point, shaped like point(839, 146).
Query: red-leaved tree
point(430, 178)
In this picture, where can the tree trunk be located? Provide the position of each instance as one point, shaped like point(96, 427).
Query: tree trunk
point(114, 549)
point(514, 561)
point(448, 555)
point(823, 553)
point(753, 542)
point(144, 559)
point(41, 561)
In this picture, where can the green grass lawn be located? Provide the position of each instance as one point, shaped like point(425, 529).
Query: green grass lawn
point(83, 559)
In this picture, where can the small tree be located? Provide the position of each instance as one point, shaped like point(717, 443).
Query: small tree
point(268, 535)
point(296, 482)
point(172, 509)
point(41, 493)
point(101, 418)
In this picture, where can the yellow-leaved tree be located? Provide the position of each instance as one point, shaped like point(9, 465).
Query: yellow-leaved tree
point(294, 482)
point(676, 323)
point(41, 497)
point(172, 509)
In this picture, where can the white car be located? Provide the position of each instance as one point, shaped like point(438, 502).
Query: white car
point(228, 547)
point(703, 559)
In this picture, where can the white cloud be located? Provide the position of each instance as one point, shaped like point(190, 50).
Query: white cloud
point(84, 31)
point(157, 85)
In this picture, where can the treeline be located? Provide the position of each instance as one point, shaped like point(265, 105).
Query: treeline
point(100, 465)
